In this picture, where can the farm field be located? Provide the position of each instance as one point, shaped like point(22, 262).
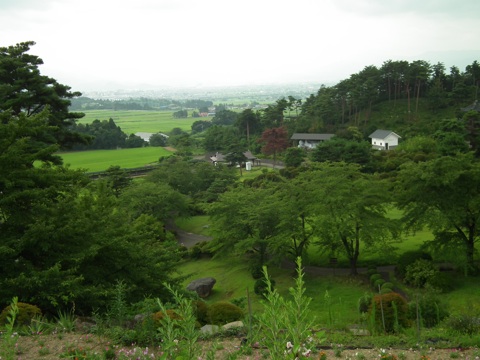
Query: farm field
point(133, 121)
point(99, 160)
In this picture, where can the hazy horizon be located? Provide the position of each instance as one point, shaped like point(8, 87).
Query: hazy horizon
point(154, 44)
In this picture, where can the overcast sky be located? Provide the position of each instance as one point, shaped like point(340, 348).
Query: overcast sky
point(120, 44)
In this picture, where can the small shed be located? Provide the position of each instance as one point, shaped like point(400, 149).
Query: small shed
point(384, 139)
point(310, 141)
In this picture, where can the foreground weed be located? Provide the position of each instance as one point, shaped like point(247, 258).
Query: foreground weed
point(285, 325)
point(179, 336)
point(9, 336)
point(66, 321)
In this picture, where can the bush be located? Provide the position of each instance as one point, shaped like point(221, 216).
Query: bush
point(371, 270)
point(160, 315)
point(200, 250)
point(464, 324)
point(364, 303)
point(26, 312)
point(378, 283)
point(388, 285)
point(420, 272)
point(432, 310)
point(395, 312)
point(223, 312)
point(201, 311)
point(374, 278)
point(385, 290)
point(442, 281)
point(407, 258)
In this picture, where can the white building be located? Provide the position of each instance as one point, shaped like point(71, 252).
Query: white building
point(384, 139)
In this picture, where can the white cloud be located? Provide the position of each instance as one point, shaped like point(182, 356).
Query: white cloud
point(96, 44)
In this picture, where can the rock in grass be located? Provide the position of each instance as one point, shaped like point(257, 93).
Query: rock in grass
point(202, 287)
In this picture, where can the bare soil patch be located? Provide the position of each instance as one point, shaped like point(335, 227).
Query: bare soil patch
point(57, 346)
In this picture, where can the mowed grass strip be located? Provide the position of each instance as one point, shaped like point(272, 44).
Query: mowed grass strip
point(100, 160)
point(134, 121)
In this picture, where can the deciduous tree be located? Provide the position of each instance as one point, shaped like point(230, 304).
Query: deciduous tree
point(443, 194)
point(350, 207)
point(274, 140)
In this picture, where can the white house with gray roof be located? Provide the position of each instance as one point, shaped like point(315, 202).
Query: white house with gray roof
point(384, 139)
point(310, 141)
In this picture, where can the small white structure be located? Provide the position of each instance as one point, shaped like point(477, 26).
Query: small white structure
point(248, 166)
point(146, 135)
point(310, 141)
point(384, 139)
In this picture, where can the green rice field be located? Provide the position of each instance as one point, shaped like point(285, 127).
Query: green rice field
point(133, 121)
point(99, 160)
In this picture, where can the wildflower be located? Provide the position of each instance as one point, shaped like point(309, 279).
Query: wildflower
point(307, 353)
point(289, 345)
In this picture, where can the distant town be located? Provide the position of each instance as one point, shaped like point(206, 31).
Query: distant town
point(262, 93)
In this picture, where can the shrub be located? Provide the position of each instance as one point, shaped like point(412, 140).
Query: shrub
point(26, 312)
point(464, 324)
point(378, 283)
point(364, 303)
point(372, 269)
point(374, 278)
point(388, 285)
point(407, 258)
point(201, 311)
point(385, 290)
point(395, 311)
point(431, 308)
point(224, 312)
point(160, 315)
point(441, 281)
point(420, 272)
point(200, 250)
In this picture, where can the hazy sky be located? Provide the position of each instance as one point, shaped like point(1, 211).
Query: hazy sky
point(113, 44)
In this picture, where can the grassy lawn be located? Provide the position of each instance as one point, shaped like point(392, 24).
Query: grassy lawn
point(133, 121)
point(199, 225)
point(233, 278)
point(99, 160)
point(195, 224)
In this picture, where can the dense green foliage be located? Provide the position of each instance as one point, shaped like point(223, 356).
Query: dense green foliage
point(68, 242)
point(58, 230)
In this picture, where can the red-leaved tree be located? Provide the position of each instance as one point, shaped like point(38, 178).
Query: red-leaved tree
point(274, 140)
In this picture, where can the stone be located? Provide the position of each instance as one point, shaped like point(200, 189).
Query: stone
point(209, 329)
point(235, 324)
point(202, 287)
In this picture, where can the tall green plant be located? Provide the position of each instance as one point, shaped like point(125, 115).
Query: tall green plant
point(7, 350)
point(179, 335)
point(286, 325)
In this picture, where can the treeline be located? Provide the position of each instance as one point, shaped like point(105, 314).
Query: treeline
point(85, 103)
point(105, 135)
point(410, 87)
point(409, 98)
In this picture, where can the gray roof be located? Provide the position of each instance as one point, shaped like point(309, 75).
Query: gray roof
point(382, 134)
point(219, 157)
point(475, 107)
point(305, 136)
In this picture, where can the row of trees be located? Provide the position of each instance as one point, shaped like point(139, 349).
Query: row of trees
point(409, 91)
point(344, 209)
point(105, 135)
point(83, 103)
